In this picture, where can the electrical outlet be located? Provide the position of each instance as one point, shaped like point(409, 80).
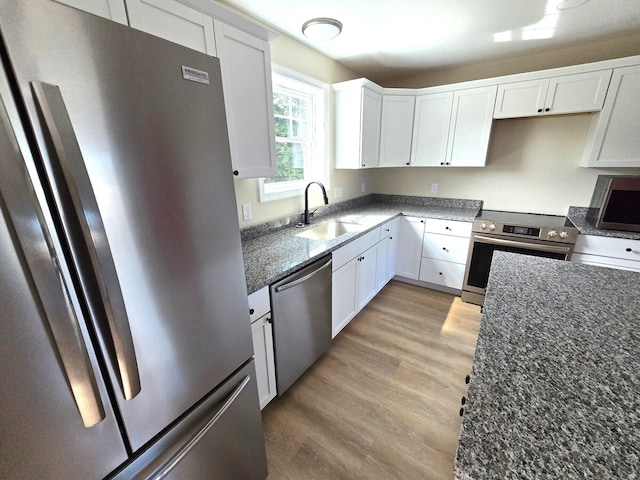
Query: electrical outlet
point(246, 211)
point(364, 187)
point(434, 188)
point(337, 192)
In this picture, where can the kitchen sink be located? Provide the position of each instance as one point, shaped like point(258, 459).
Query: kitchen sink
point(330, 230)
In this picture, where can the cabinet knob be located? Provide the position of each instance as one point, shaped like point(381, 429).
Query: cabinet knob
point(363, 165)
point(461, 411)
point(467, 379)
point(547, 109)
point(628, 250)
point(236, 173)
point(421, 221)
point(407, 163)
point(445, 249)
point(440, 273)
point(269, 319)
point(441, 163)
point(539, 110)
point(463, 400)
point(251, 311)
point(447, 163)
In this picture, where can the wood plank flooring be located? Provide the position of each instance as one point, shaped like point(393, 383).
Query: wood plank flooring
point(383, 402)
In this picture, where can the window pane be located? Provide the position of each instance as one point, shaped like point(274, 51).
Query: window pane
point(299, 129)
point(280, 104)
point(290, 159)
point(299, 107)
point(282, 127)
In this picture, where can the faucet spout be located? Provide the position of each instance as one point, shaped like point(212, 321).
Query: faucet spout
point(306, 200)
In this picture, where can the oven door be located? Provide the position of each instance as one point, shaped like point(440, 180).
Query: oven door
point(481, 251)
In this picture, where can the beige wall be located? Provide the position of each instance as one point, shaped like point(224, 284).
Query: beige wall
point(532, 166)
point(293, 55)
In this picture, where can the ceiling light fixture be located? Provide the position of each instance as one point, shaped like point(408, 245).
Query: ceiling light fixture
point(322, 29)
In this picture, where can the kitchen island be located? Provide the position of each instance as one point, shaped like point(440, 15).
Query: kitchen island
point(555, 385)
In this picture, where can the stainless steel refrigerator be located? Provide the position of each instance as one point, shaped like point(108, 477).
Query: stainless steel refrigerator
point(125, 342)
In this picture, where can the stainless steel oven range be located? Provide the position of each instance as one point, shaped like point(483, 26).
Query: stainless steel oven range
point(547, 236)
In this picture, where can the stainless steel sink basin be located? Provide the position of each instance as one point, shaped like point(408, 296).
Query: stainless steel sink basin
point(330, 230)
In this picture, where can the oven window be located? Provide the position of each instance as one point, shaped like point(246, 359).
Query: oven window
point(483, 253)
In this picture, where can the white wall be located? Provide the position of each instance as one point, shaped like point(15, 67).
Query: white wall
point(532, 166)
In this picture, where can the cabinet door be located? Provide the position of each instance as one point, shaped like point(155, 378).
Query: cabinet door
point(392, 249)
point(521, 99)
point(110, 9)
point(366, 289)
point(248, 96)
point(262, 334)
point(582, 92)
point(613, 139)
point(471, 121)
point(431, 129)
point(410, 232)
point(396, 129)
point(343, 296)
point(173, 21)
point(381, 264)
point(370, 123)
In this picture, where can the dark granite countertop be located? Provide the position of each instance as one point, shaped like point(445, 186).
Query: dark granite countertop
point(555, 386)
point(578, 216)
point(272, 251)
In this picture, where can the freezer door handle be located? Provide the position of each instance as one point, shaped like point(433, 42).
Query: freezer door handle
point(170, 464)
point(16, 191)
point(71, 164)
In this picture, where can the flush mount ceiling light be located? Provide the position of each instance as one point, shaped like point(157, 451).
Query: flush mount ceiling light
point(322, 29)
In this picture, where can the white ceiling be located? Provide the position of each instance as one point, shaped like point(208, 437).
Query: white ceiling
point(384, 38)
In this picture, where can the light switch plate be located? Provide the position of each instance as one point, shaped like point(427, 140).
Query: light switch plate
point(246, 211)
point(337, 192)
point(434, 188)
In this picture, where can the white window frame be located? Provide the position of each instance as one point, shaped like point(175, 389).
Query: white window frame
point(319, 169)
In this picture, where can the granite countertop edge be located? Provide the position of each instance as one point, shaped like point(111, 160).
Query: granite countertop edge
point(273, 251)
point(578, 216)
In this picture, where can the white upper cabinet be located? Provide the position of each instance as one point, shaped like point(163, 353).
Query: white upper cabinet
point(175, 22)
point(613, 140)
point(248, 95)
point(431, 129)
point(471, 121)
point(110, 9)
point(395, 130)
point(358, 110)
point(580, 92)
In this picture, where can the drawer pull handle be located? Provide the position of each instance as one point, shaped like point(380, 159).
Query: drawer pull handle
point(467, 379)
point(629, 250)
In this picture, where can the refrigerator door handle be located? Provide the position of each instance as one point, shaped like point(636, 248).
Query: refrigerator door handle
point(70, 162)
point(29, 225)
point(170, 464)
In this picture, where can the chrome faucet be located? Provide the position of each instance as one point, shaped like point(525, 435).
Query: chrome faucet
point(306, 200)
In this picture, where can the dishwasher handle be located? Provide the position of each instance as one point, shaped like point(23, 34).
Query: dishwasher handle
point(298, 281)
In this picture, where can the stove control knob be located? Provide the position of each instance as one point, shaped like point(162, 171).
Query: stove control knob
point(564, 234)
point(552, 233)
point(492, 227)
point(483, 226)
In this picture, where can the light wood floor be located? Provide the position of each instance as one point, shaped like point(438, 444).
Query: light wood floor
point(384, 401)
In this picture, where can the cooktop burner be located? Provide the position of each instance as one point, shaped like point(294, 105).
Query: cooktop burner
point(553, 228)
point(524, 219)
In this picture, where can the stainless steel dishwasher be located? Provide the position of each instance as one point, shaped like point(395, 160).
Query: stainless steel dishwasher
point(301, 315)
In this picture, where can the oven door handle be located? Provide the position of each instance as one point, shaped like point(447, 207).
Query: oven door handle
point(519, 244)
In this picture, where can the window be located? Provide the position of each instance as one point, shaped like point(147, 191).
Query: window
point(299, 109)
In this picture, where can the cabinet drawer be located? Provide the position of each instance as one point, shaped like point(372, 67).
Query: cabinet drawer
point(259, 304)
point(355, 248)
point(448, 227)
point(445, 247)
point(608, 247)
point(610, 262)
point(443, 273)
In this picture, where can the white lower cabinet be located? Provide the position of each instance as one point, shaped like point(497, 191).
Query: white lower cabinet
point(262, 336)
point(360, 270)
point(444, 252)
point(410, 233)
point(607, 252)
